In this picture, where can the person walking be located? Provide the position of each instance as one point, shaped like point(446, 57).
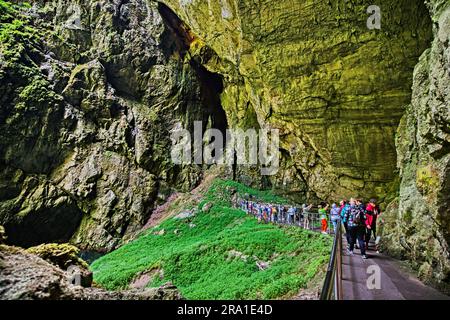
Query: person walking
point(275, 214)
point(290, 213)
point(372, 213)
point(335, 216)
point(267, 213)
point(301, 217)
point(285, 215)
point(356, 226)
point(344, 207)
point(280, 214)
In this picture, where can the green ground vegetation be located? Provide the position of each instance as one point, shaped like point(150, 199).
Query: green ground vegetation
point(215, 253)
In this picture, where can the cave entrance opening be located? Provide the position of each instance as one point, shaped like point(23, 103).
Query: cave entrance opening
point(211, 84)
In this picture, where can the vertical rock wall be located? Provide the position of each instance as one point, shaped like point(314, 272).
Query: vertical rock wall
point(334, 88)
point(90, 92)
point(418, 222)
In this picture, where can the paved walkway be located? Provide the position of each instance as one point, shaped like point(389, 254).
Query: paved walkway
point(395, 282)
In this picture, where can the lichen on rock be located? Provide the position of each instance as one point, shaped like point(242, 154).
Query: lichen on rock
point(64, 256)
point(312, 69)
point(418, 228)
point(90, 91)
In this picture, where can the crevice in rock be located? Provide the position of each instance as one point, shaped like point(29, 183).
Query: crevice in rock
point(178, 40)
point(178, 36)
point(211, 87)
point(121, 19)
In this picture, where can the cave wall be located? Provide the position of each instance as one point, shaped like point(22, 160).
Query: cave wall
point(90, 92)
point(418, 221)
point(312, 69)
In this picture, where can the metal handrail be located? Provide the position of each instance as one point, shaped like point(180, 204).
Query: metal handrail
point(332, 286)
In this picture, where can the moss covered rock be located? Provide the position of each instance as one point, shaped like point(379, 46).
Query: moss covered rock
point(334, 88)
point(65, 256)
point(26, 276)
point(419, 227)
point(90, 92)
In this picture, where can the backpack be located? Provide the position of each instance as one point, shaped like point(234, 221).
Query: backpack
point(360, 216)
point(356, 216)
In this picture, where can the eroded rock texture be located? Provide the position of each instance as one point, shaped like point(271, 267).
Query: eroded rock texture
point(89, 93)
point(313, 69)
point(26, 276)
point(418, 222)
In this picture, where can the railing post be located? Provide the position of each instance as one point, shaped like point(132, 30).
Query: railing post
point(333, 279)
point(338, 276)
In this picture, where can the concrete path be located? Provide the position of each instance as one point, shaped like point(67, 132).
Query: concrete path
point(395, 282)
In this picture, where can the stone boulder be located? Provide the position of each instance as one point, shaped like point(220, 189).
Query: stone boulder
point(26, 276)
point(65, 256)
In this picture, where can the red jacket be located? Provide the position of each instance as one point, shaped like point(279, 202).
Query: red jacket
point(372, 212)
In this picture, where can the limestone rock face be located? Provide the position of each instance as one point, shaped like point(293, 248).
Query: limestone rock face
point(418, 222)
point(90, 92)
point(335, 89)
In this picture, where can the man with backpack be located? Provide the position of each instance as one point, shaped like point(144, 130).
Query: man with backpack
point(355, 217)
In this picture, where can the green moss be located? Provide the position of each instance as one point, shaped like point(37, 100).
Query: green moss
point(6, 10)
point(221, 192)
point(198, 254)
point(37, 92)
point(16, 32)
point(427, 179)
point(63, 255)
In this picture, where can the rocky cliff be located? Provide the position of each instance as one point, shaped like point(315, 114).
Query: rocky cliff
point(89, 93)
point(91, 89)
point(26, 276)
point(418, 221)
point(312, 69)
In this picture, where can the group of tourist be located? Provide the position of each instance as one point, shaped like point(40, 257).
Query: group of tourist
point(360, 223)
point(359, 219)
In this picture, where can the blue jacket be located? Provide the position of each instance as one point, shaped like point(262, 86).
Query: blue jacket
point(343, 213)
point(335, 213)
